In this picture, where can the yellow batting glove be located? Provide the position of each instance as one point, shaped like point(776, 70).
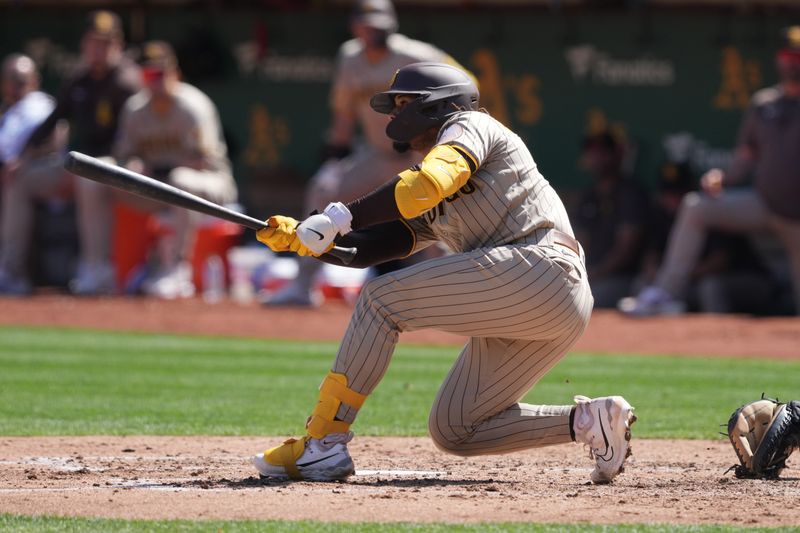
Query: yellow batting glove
point(280, 233)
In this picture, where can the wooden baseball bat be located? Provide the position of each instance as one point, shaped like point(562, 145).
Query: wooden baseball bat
point(132, 182)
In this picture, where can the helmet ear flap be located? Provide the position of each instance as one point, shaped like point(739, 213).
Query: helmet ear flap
point(443, 91)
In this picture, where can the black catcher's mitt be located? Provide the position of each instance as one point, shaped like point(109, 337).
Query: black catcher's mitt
point(764, 433)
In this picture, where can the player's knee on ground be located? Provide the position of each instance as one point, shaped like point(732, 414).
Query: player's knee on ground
point(448, 437)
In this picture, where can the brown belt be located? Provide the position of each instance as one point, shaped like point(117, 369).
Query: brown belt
point(559, 237)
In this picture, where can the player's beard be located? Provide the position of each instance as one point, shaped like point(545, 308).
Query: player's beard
point(422, 143)
point(426, 140)
point(401, 148)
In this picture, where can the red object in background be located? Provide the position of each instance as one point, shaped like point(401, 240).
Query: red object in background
point(135, 233)
point(333, 292)
point(214, 238)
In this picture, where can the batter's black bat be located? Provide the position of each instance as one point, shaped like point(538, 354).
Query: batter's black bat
point(129, 181)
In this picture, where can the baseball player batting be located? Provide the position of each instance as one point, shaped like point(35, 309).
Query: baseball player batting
point(515, 284)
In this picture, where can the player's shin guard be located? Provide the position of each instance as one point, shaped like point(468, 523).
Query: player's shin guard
point(332, 393)
point(322, 453)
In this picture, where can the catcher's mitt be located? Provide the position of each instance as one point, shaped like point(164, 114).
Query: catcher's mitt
point(764, 433)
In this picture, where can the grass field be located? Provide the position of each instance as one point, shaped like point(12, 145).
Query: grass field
point(71, 525)
point(69, 382)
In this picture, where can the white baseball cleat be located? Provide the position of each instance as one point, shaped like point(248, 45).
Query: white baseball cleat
point(604, 425)
point(171, 283)
point(651, 301)
point(325, 459)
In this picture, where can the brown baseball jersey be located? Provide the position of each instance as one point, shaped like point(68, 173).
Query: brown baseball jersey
point(92, 107)
point(511, 285)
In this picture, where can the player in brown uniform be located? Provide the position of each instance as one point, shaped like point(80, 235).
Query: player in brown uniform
point(91, 102)
point(516, 285)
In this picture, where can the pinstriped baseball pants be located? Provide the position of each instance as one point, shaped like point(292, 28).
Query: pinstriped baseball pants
point(523, 308)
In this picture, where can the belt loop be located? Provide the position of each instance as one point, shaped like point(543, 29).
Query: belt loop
point(567, 241)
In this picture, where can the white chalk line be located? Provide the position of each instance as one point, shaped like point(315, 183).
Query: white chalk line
point(400, 473)
point(84, 464)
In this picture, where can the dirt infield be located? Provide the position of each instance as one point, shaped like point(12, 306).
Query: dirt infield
point(609, 332)
point(678, 482)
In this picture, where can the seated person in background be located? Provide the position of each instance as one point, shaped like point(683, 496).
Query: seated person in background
point(169, 131)
point(24, 107)
point(91, 100)
point(610, 221)
point(767, 149)
point(728, 278)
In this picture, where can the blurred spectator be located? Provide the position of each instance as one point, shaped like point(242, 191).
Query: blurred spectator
point(91, 100)
point(169, 131)
point(24, 107)
point(611, 221)
point(354, 167)
point(728, 276)
point(768, 148)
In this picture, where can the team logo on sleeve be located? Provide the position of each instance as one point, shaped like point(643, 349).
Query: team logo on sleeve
point(451, 133)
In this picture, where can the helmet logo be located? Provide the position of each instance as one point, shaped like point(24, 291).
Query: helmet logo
point(394, 78)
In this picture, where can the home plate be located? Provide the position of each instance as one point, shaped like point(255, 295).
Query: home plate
point(400, 473)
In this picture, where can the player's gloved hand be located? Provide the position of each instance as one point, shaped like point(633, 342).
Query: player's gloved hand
point(317, 232)
point(279, 234)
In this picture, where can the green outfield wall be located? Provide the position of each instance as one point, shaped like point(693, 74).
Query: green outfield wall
point(674, 82)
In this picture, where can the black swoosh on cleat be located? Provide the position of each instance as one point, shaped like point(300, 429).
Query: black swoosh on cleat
point(604, 456)
point(315, 232)
point(317, 460)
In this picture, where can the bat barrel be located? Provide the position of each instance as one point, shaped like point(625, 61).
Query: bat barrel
point(135, 183)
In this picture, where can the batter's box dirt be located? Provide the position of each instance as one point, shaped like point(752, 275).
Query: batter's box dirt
point(405, 480)
point(399, 479)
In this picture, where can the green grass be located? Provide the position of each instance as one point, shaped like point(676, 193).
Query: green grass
point(71, 382)
point(74, 525)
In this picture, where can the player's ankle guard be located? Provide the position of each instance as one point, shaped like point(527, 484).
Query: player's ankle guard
point(332, 393)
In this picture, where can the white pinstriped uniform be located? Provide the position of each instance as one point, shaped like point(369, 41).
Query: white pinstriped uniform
point(521, 299)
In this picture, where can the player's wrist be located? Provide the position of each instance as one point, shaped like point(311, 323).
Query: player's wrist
point(340, 216)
